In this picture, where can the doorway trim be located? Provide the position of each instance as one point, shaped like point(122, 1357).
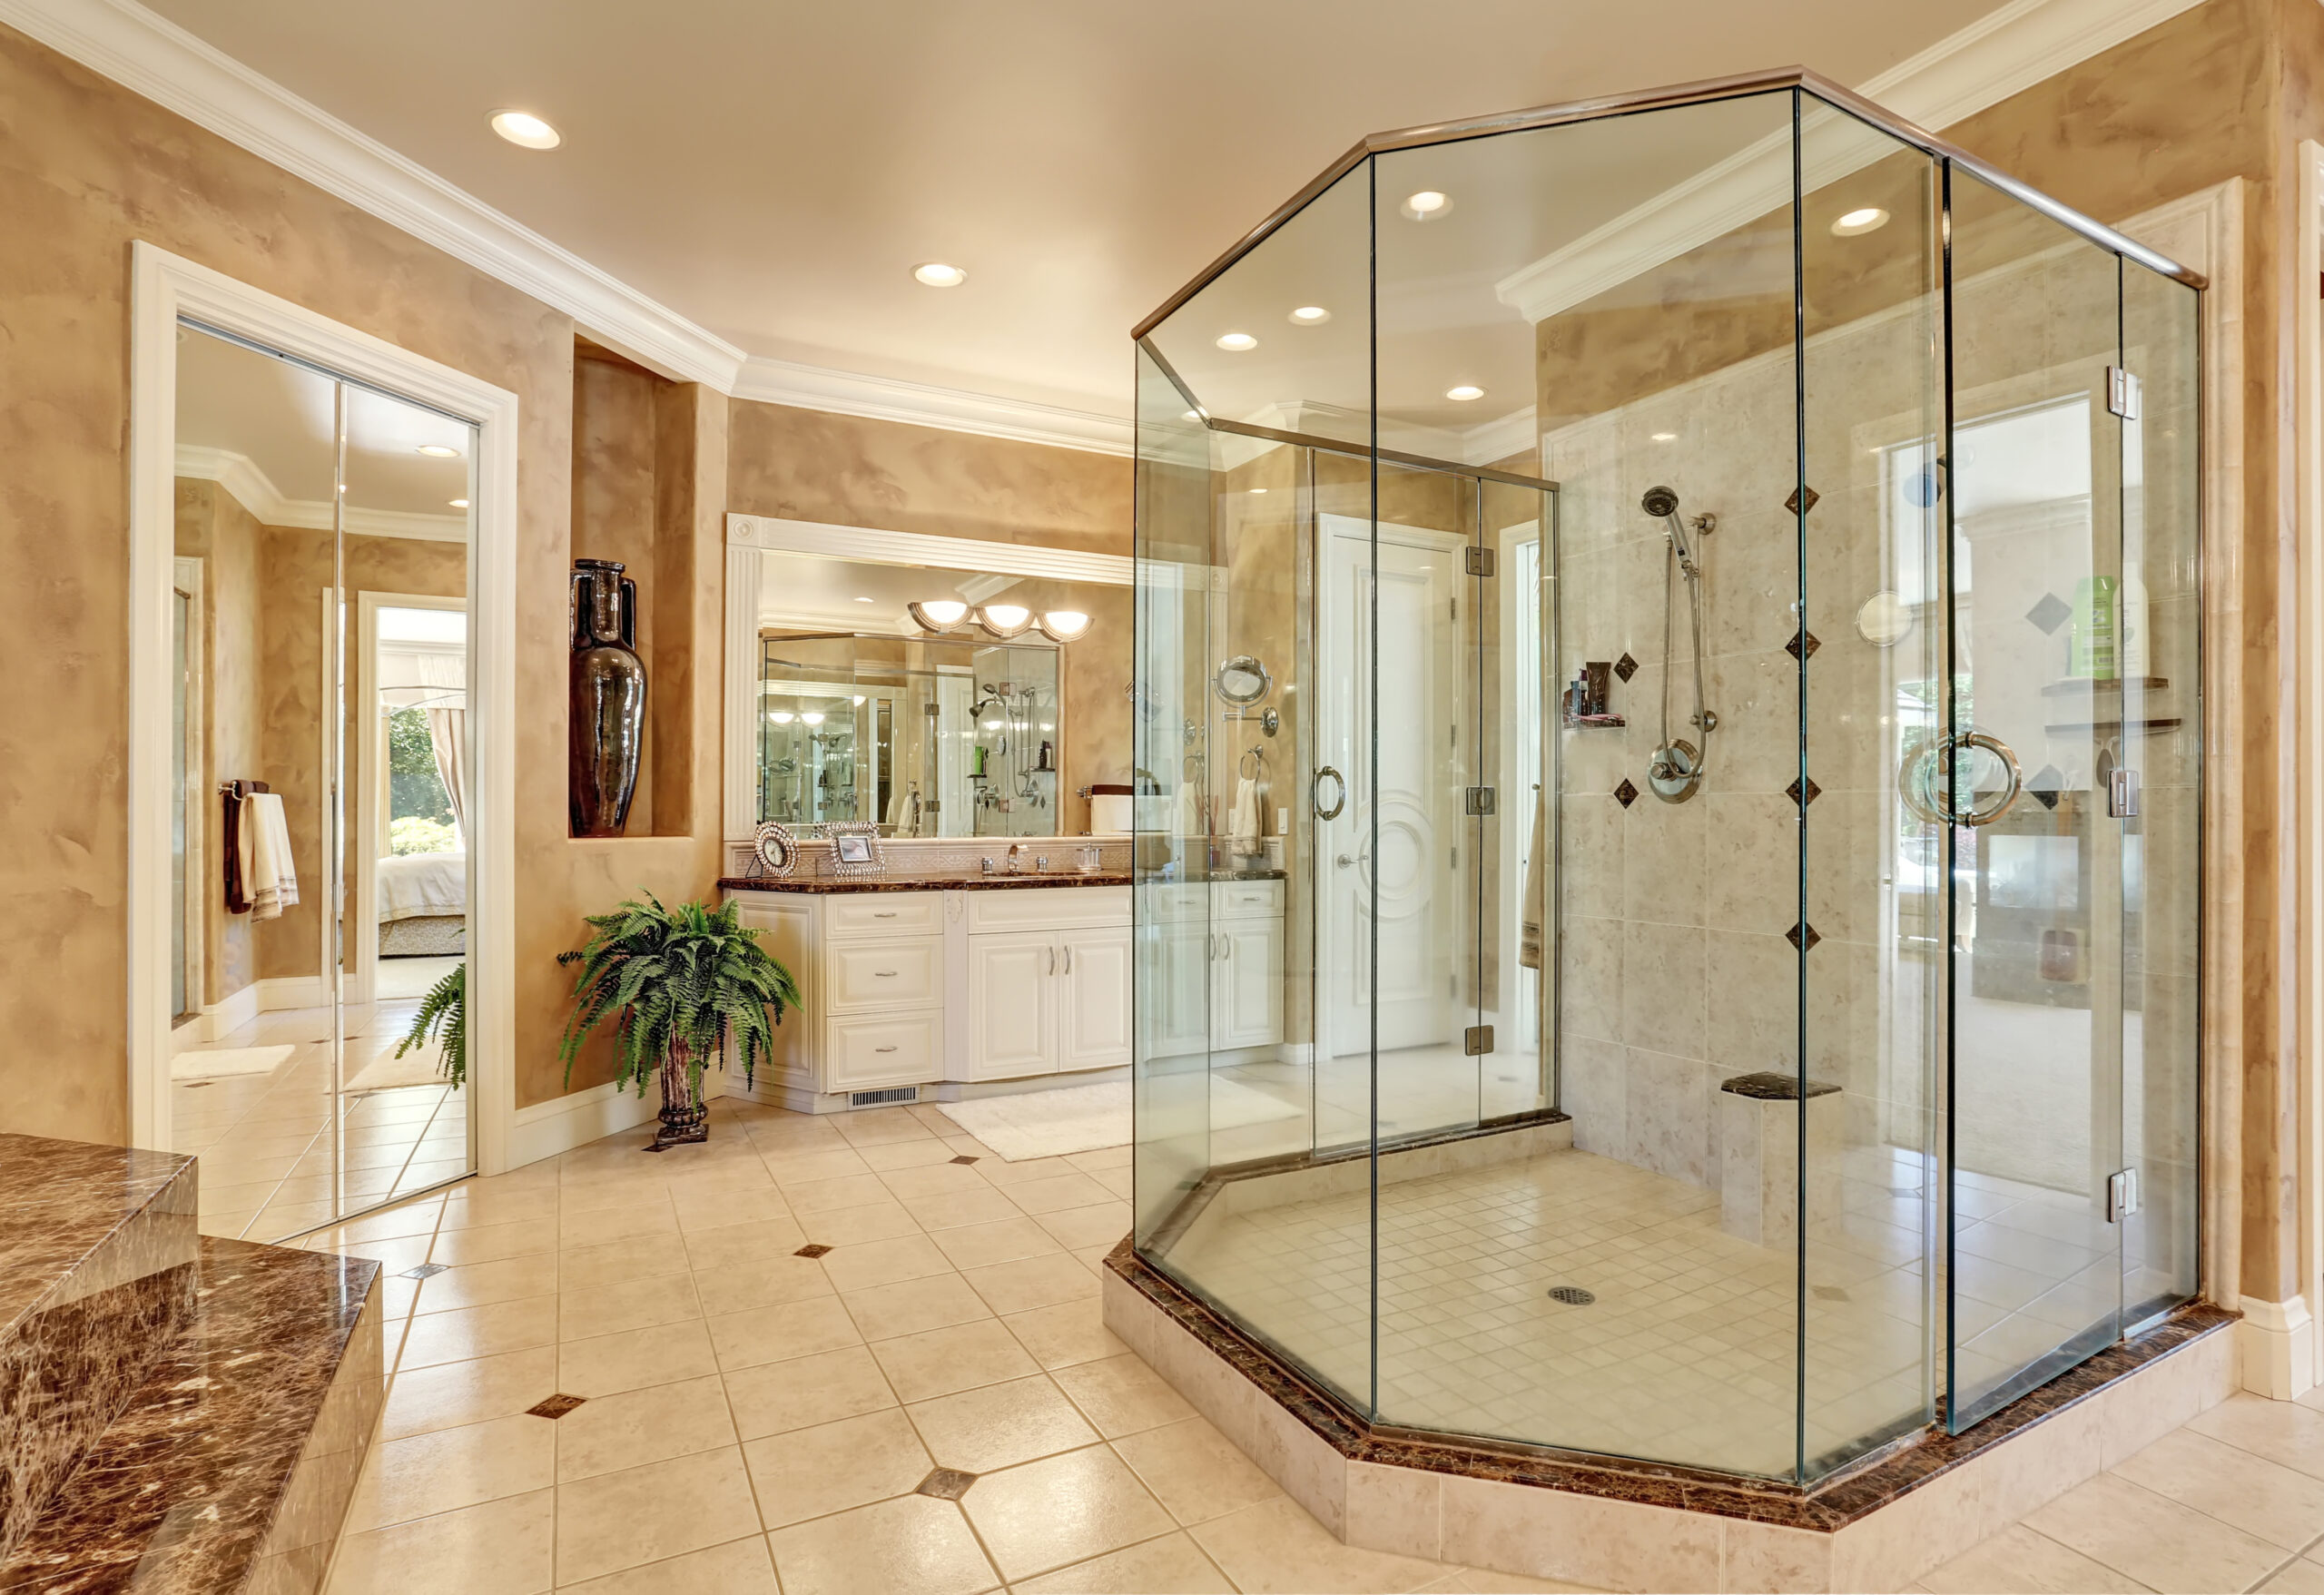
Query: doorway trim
point(165, 287)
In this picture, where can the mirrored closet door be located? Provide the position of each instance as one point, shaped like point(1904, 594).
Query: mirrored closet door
point(320, 871)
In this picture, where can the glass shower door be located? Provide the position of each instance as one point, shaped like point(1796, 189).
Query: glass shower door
point(2024, 777)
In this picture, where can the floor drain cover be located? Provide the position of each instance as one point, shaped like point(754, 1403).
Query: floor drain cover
point(1573, 1295)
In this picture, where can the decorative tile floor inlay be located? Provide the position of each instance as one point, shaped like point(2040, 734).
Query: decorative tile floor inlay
point(964, 1158)
point(555, 1406)
point(425, 1271)
point(813, 1249)
point(946, 1484)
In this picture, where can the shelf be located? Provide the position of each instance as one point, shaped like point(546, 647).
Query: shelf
point(2075, 688)
point(2104, 726)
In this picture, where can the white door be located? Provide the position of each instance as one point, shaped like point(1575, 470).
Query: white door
point(1408, 884)
point(1093, 999)
point(1012, 1017)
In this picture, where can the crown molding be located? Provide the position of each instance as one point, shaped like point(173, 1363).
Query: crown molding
point(254, 490)
point(2000, 54)
point(156, 58)
point(879, 546)
point(890, 399)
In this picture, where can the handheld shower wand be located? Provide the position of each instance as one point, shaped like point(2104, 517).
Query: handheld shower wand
point(1676, 770)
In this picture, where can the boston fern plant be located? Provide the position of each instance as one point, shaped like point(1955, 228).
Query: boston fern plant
point(443, 1017)
point(678, 985)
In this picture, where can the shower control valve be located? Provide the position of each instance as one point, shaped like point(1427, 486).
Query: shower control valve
point(1708, 720)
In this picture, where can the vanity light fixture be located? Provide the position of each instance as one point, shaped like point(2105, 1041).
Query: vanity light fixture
point(1464, 392)
point(1310, 315)
point(811, 718)
point(1237, 343)
point(524, 129)
point(1065, 626)
point(937, 274)
point(1003, 620)
point(938, 614)
point(1865, 219)
point(783, 717)
point(1427, 205)
point(439, 451)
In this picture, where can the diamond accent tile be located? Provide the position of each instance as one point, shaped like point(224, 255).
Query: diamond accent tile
point(1803, 645)
point(964, 1157)
point(426, 1271)
point(1794, 503)
point(1804, 795)
point(946, 1484)
point(1626, 667)
point(2050, 613)
point(1829, 1293)
point(813, 1249)
point(1626, 794)
point(1803, 936)
point(555, 1406)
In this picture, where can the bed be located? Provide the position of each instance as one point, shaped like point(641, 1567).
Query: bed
point(423, 901)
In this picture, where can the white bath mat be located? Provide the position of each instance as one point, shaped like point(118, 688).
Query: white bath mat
point(224, 1062)
point(1083, 1118)
point(1046, 1124)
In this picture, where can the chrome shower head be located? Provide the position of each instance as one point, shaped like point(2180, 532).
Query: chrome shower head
point(1662, 504)
point(1659, 503)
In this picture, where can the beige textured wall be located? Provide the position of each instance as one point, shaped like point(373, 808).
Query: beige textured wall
point(86, 168)
point(845, 470)
point(214, 529)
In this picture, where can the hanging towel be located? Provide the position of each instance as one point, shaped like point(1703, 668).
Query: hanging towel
point(1190, 817)
point(1243, 825)
point(1528, 925)
point(269, 883)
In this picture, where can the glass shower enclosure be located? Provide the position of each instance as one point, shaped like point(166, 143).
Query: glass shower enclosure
point(1667, 721)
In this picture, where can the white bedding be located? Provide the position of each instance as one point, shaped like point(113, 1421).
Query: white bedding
point(415, 886)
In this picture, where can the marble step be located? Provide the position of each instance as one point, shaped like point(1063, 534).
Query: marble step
point(98, 1246)
point(232, 1465)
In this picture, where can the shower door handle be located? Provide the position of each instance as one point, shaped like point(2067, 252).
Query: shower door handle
point(1931, 802)
point(1316, 793)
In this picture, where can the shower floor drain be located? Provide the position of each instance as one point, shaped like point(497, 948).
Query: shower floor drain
point(1573, 1295)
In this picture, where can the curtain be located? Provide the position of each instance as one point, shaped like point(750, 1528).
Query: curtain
point(448, 736)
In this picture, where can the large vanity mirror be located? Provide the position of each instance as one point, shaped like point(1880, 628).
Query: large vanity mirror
point(975, 691)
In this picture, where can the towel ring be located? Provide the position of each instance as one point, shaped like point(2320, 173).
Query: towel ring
point(1250, 753)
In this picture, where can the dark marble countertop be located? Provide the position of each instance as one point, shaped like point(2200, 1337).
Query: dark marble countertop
point(948, 882)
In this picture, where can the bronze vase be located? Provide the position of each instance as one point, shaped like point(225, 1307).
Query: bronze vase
point(685, 1115)
point(606, 699)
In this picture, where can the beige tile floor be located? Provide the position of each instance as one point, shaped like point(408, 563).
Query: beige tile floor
point(277, 1159)
point(757, 1421)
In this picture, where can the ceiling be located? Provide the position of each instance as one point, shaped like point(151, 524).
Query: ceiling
point(772, 169)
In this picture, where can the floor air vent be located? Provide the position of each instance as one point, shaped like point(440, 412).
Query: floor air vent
point(881, 1098)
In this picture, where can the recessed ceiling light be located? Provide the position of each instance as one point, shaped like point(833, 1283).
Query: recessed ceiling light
point(522, 127)
point(937, 274)
point(1464, 392)
point(1237, 342)
point(460, 504)
point(1662, 436)
point(1311, 315)
point(1862, 220)
point(439, 451)
point(1427, 205)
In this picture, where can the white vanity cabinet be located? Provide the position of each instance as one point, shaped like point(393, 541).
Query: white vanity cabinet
point(1048, 977)
point(1219, 964)
point(937, 990)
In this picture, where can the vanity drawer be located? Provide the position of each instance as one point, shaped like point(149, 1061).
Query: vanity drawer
point(883, 974)
point(1247, 900)
point(884, 913)
point(882, 1049)
point(1043, 908)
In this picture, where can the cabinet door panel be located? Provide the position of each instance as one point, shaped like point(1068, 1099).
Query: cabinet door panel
point(1176, 1015)
point(1094, 1012)
point(1248, 980)
point(1011, 1011)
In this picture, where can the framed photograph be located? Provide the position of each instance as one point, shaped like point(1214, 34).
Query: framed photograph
point(855, 849)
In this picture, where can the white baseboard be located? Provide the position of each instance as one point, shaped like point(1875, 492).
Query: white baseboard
point(563, 1123)
point(2276, 1347)
point(221, 1019)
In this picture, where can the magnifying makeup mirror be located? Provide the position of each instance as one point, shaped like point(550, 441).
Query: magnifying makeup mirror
point(1242, 681)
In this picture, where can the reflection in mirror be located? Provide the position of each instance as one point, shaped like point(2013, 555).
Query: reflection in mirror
point(1241, 680)
point(321, 576)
